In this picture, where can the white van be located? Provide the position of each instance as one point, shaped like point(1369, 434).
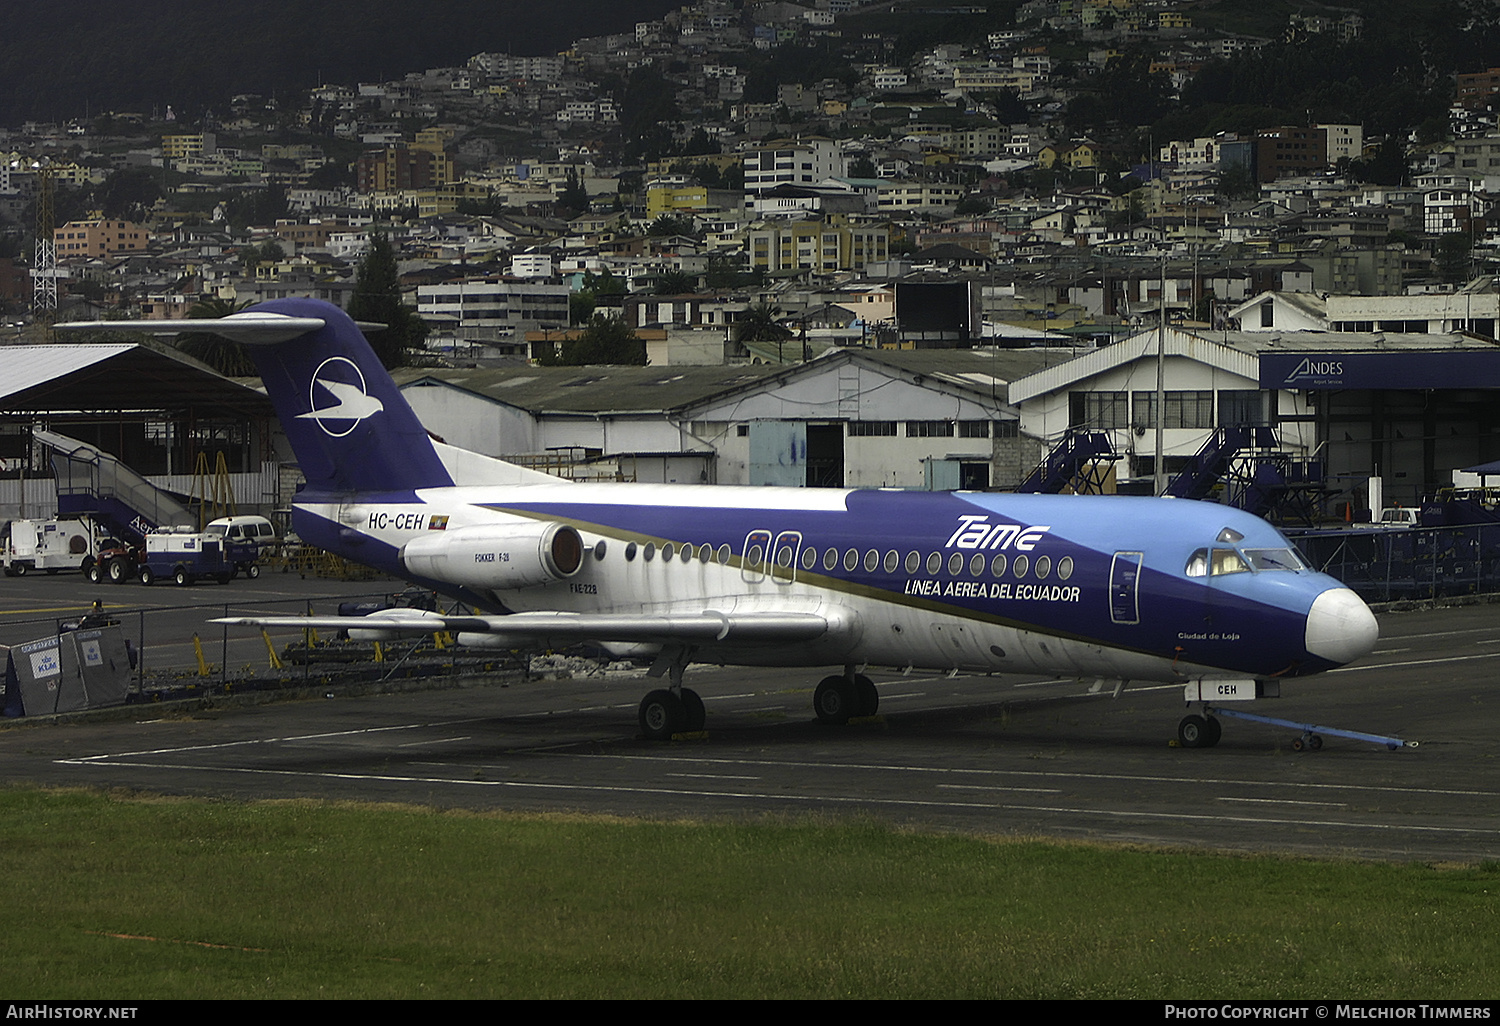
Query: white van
point(243, 529)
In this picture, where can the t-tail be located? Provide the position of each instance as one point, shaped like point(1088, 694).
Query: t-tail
point(348, 423)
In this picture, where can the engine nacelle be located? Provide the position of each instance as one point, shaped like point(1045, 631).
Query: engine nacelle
point(497, 556)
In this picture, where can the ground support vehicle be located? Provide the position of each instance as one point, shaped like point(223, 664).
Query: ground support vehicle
point(185, 556)
point(27, 546)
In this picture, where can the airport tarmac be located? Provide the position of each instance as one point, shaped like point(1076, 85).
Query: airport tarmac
point(1003, 755)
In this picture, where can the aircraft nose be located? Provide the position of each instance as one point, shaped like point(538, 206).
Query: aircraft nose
point(1340, 627)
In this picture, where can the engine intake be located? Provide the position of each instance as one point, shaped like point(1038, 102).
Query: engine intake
point(497, 556)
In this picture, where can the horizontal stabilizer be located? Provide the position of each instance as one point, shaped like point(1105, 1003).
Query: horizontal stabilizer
point(250, 327)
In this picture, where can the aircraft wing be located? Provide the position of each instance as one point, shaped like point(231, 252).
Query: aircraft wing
point(709, 626)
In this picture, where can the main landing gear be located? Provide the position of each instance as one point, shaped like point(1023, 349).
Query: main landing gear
point(839, 699)
point(674, 710)
point(671, 710)
point(665, 712)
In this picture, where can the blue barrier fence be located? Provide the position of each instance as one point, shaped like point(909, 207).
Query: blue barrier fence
point(1417, 563)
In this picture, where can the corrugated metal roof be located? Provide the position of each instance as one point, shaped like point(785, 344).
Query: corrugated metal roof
point(592, 390)
point(24, 367)
point(115, 377)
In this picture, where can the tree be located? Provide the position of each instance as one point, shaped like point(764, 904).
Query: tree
point(377, 298)
point(758, 324)
point(228, 358)
point(128, 193)
point(581, 304)
point(670, 224)
point(573, 196)
point(266, 253)
point(1452, 252)
point(605, 341)
point(674, 283)
point(264, 207)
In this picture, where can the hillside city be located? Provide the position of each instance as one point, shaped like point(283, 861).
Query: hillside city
point(684, 182)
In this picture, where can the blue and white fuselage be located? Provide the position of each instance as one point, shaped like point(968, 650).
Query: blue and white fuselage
point(1088, 586)
point(1113, 587)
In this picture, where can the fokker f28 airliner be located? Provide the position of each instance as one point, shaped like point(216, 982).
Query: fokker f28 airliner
point(1105, 588)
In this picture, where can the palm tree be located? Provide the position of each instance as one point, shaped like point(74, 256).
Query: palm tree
point(226, 357)
point(759, 324)
point(674, 283)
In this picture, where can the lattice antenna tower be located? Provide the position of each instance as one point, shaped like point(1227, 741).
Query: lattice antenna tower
point(44, 267)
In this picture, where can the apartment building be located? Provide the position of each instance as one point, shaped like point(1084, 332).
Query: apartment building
point(98, 238)
point(792, 162)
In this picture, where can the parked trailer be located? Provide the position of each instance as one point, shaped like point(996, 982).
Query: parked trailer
point(50, 545)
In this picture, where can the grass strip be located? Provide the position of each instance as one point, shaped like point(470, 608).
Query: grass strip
point(121, 897)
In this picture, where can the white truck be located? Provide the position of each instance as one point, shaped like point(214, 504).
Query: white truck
point(27, 546)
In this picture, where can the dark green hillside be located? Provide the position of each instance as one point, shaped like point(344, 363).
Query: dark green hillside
point(74, 57)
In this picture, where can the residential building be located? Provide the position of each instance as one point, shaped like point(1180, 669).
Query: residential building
point(827, 245)
point(1477, 89)
point(98, 238)
point(792, 162)
point(1289, 151)
point(495, 307)
point(401, 167)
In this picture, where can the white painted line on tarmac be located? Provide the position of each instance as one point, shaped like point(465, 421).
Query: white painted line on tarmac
point(1285, 801)
point(1412, 662)
point(833, 799)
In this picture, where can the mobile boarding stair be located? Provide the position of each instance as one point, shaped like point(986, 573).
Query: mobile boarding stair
point(94, 482)
point(1081, 462)
point(1245, 467)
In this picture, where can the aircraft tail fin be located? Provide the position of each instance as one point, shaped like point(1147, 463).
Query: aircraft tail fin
point(348, 423)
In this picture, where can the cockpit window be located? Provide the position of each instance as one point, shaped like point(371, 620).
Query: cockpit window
point(1217, 562)
point(1227, 561)
point(1274, 559)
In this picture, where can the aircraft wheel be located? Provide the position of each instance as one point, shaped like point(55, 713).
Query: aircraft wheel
point(1314, 743)
point(1298, 744)
point(1192, 732)
point(146, 576)
point(116, 571)
point(694, 715)
point(1215, 731)
point(833, 700)
point(94, 574)
point(867, 698)
point(662, 715)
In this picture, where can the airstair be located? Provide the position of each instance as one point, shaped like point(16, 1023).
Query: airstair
point(92, 481)
point(1080, 463)
point(1244, 466)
